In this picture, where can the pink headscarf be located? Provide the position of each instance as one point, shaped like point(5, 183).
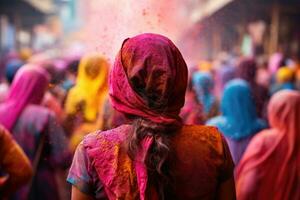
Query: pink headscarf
point(28, 87)
point(270, 168)
point(148, 80)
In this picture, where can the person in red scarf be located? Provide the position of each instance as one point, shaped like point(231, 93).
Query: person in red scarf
point(270, 166)
point(156, 156)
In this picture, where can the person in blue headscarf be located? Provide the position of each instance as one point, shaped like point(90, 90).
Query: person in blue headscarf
point(203, 85)
point(239, 121)
point(11, 69)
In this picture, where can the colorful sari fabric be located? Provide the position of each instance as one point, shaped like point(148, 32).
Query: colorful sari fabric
point(246, 70)
point(31, 124)
point(239, 121)
point(203, 160)
point(204, 84)
point(152, 71)
point(90, 89)
point(270, 166)
point(28, 88)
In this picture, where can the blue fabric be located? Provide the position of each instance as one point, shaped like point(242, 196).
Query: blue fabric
point(11, 69)
point(203, 84)
point(284, 86)
point(67, 84)
point(238, 119)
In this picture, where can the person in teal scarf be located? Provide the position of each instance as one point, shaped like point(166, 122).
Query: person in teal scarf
point(239, 121)
point(203, 85)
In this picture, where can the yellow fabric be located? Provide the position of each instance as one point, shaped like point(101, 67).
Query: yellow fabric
point(25, 54)
point(284, 74)
point(205, 66)
point(91, 87)
point(87, 128)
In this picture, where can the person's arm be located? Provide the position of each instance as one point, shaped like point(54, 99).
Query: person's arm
point(83, 177)
point(78, 195)
point(226, 190)
point(15, 163)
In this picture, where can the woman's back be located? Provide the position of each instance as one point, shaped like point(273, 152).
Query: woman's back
point(139, 161)
point(199, 163)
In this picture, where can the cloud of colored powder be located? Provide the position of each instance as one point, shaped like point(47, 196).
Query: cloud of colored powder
point(106, 23)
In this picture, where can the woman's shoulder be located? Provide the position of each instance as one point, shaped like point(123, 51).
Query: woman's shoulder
point(200, 130)
point(201, 138)
point(108, 137)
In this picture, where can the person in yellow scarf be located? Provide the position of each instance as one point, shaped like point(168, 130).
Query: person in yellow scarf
point(90, 89)
point(284, 80)
point(85, 100)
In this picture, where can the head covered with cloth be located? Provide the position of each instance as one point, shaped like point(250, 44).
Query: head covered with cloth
point(270, 166)
point(149, 79)
point(28, 87)
point(148, 83)
point(141, 160)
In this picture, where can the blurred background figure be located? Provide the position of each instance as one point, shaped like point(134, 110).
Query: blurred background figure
point(84, 102)
point(192, 111)
point(203, 84)
point(284, 80)
point(37, 131)
point(224, 74)
point(15, 167)
point(270, 166)
point(247, 70)
point(238, 121)
point(71, 74)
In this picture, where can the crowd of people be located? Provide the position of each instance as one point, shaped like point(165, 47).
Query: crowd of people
point(148, 126)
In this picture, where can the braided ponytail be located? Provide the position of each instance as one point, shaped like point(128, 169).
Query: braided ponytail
point(158, 154)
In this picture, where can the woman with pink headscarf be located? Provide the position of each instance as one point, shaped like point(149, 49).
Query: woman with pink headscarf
point(155, 156)
point(36, 130)
point(270, 167)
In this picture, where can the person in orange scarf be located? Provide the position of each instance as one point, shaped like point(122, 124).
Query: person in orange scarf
point(270, 167)
point(14, 163)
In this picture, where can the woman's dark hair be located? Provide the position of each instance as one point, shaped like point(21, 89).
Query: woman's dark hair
point(158, 154)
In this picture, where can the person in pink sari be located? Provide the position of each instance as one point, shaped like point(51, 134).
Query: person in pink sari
point(37, 131)
point(155, 156)
point(270, 166)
